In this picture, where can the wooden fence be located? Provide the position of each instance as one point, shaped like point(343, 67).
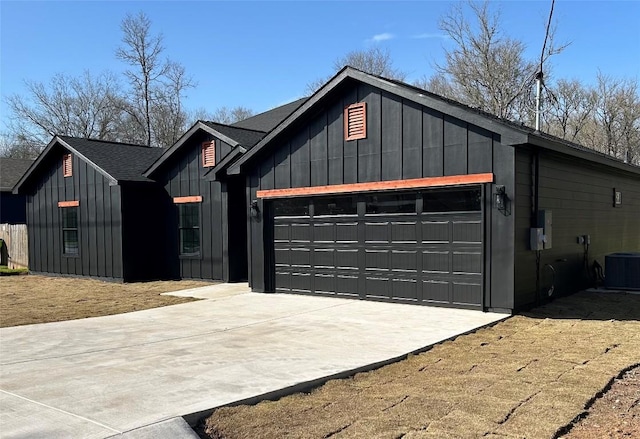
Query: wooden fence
point(16, 252)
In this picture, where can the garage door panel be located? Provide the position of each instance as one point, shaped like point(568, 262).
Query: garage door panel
point(346, 259)
point(405, 289)
point(466, 293)
point(435, 231)
point(347, 285)
point(300, 233)
point(467, 231)
point(281, 233)
point(324, 258)
point(324, 283)
point(283, 281)
point(300, 282)
point(435, 291)
point(404, 260)
point(378, 287)
point(376, 232)
point(282, 257)
point(377, 260)
point(467, 262)
point(300, 257)
point(324, 232)
point(347, 232)
point(403, 232)
point(435, 261)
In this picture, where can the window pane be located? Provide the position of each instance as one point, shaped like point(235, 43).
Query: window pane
point(452, 200)
point(70, 242)
point(189, 215)
point(335, 206)
point(391, 203)
point(70, 217)
point(291, 207)
point(190, 241)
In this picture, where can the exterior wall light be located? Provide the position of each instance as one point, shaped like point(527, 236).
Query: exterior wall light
point(255, 208)
point(500, 200)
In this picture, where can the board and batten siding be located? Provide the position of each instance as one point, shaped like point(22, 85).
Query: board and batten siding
point(185, 178)
point(404, 140)
point(580, 196)
point(99, 222)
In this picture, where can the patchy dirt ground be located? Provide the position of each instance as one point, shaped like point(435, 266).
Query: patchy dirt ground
point(528, 377)
point(614, 415)
point(29, 299)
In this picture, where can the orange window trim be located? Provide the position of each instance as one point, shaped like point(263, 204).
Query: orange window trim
point(414, 183)
point(67, 165)
point(355, 121)
point(68, 203)
point(208, 154)
point(190, 199)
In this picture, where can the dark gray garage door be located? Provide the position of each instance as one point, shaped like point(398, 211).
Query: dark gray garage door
point(421, 247)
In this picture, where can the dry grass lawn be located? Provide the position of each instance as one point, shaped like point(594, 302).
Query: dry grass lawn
point(29, 299)
point(526, 377)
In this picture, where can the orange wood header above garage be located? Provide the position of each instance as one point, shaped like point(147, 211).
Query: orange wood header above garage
point(414, 183)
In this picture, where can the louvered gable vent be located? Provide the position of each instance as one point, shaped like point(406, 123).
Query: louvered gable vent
point(355, 121)
point(67, 165)
point(209, 154)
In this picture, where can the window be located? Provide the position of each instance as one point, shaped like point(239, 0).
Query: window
point(452, 200)
point(391, 203)
point(340, 205)
point(189, 225)
point(355, 121)
point(67, 165)
point(70, 231)
point(291, 207)
point(209, 154)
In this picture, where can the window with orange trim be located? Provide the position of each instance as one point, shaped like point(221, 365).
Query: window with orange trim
point(67, 165)
point(355, 121)
point(209, 154)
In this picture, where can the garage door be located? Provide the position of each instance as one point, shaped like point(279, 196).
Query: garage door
point(420, 247)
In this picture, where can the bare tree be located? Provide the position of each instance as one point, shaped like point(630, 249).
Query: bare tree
point(568, 109)
point(157, 85)
point(228, 116)
point(85, 107)
point(486, 69)
point(374, 60)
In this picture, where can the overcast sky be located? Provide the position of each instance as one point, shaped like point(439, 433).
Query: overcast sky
point(262, 54)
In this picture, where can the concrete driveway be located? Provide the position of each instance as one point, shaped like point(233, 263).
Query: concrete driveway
point(135, 374)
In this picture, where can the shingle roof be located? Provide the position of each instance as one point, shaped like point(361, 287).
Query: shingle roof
point(270, 119)
point(245, 137)
point(123, 161)
point(11, 170)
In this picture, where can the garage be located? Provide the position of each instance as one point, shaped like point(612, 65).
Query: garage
point(421, 247)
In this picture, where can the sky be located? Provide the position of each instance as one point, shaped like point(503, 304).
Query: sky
point(262, 54)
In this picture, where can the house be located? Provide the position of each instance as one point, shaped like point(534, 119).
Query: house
point(12, 206)
point(91, 212)
point(378, 190)
point(209, 207)
point(128, 212)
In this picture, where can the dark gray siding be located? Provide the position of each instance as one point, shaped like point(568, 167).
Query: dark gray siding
point(404, 140)
point(580, 196)
point(100, 222)
point(184, 176)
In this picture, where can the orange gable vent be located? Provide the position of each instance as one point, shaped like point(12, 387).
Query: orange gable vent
point(209, 154)
point(355, 121)
point(67, 165)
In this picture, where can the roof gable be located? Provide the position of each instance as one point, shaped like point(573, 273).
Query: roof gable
point(117, 162)
point(510, 133)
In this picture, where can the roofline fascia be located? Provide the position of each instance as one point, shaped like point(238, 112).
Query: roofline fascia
point(199, 125)
point(56, 139)
point(509, 135)
point(588, 155)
